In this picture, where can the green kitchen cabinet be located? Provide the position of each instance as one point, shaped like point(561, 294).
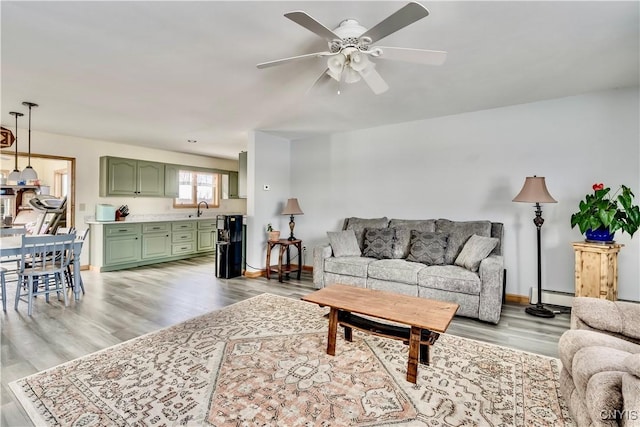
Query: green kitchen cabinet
point(122, 244)
point(156, 240)
point(129, 177)
point(171, 180)
point(206, 235)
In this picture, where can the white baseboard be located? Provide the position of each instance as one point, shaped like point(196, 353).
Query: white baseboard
point(562, 299)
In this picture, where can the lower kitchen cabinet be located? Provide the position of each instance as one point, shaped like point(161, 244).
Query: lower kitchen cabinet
point(122, 244)
point(156, 240)
point(206, 235)
point(130, 245)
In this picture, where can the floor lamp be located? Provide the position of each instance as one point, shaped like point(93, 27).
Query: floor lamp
point(535, 191)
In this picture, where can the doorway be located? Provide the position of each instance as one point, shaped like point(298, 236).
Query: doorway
point(56, 177)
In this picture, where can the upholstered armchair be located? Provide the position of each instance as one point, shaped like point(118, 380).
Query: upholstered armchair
point(600, 354)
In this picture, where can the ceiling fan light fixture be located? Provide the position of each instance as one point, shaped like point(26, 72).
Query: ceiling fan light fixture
point(336, 65)
point(358, 61)
point(351, 75)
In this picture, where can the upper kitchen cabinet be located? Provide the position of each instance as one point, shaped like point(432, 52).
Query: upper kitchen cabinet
point(129, 177)
point(242, 175)
point(171, 180)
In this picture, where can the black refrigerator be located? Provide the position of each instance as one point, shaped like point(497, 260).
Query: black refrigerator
point(229, 246)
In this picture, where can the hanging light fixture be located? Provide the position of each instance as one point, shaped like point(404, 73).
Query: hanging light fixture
point(15, 174)
point(29, 173)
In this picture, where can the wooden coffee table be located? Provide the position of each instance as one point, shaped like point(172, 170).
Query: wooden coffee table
point(426, 318)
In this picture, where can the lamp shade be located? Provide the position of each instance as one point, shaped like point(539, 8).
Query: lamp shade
point(534, 190)
point(28, 174)
point(292, 208)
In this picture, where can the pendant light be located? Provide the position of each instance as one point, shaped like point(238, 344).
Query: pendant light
point(29, 173)
point(15, 175)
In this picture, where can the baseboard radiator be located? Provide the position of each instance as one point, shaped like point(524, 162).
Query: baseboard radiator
point(561, 299)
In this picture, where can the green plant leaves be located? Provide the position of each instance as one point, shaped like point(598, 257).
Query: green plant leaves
point(599, 211)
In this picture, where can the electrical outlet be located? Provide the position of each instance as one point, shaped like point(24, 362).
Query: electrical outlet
point(304, 248)
point(266, 187)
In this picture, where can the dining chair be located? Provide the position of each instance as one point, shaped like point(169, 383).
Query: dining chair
point(82, 236)
point(3, 286)
point(43, 258)
point(7, 232)
point(13, 231)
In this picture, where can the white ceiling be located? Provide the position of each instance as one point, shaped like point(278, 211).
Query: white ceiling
point(157, 73)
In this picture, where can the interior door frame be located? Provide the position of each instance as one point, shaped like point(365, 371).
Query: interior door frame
point(71, 198)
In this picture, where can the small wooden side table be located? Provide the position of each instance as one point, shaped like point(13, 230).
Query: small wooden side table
point(597, 270)
point(280, 268)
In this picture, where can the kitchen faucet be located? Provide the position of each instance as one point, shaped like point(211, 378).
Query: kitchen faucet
point(199, 213)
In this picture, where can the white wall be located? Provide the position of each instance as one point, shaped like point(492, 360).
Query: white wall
point(268, 161)
point(470, 166)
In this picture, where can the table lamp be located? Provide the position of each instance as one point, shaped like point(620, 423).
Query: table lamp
point(292, 208)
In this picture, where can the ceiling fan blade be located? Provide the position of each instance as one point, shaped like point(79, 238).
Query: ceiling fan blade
point(419, 56)
point(293, 58)
point(374, 80)
point(406, 15)
point(310, 23)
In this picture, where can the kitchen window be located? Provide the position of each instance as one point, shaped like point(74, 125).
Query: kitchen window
point(195, 187)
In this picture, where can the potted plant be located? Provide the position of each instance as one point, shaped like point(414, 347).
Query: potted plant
point(602, 214)
point(273, 234)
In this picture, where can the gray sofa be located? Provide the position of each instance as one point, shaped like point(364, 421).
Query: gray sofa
point(476, 286)
point(600, 354)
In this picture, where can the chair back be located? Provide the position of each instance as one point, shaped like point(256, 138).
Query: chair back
point(46, 253)
point(13, 231)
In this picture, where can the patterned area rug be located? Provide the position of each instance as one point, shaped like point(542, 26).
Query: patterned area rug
point(263, 362)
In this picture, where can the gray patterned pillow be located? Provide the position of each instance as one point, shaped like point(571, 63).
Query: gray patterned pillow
point(379, 242)
point(358, 225)
point(428, 247)
point(403, 233)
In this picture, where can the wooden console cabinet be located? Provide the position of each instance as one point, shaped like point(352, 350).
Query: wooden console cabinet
point(596, 270)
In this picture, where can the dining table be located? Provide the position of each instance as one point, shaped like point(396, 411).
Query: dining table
point(12, 246)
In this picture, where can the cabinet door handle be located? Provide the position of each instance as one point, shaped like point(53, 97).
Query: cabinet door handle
point(122, 231)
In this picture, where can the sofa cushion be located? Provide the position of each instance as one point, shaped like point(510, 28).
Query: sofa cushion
point(344, 243)
point(348, 265)
point(459, 232)
point(403, 233)
point(395, 287)
point(474, 251)
point(379, 242)
point(449, 278)
point(427, 247)
point(359, 224)
point(395, 270)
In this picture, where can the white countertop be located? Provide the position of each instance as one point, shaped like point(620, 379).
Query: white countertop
point(135, 219)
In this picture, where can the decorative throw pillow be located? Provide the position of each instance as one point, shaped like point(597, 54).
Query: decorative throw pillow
point(379, 242)
point(459, 232)
point(428, 247)
point(358, 225)
point(344, 243)
point(475, 250)
point(403, 233)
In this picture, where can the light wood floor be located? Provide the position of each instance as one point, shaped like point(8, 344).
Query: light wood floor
point(122, 305)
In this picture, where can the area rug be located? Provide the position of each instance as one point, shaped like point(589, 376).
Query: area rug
point(263, 362)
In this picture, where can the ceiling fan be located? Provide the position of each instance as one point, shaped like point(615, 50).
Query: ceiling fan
point(351, 46)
